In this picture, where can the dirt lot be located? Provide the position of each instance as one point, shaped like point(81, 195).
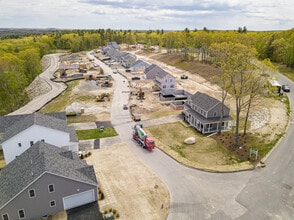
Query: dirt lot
point(129, 186)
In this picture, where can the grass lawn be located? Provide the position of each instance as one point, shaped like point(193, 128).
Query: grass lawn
point(95, 133)
point(158, 114)
point(205, 154)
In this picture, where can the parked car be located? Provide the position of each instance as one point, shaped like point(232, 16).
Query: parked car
point(184, 77)
point(125, 107)
point(286, 88)
point(136, 78)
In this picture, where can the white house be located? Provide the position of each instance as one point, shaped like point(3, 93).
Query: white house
point(165, 81)
point(20, 132)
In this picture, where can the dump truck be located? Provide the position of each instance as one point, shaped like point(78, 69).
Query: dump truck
point(142, 138)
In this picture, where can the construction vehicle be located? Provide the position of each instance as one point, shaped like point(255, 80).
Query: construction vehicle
point(106, 83)
point(102, 97)
point(142, 138)
point(140, 94)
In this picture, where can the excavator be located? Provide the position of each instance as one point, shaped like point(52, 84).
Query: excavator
point(102, 97)
point(140, 94)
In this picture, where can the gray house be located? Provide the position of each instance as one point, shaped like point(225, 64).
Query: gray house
point(127, 60)
point(45, 180)
point(204, 112)
point(110, 49)
point(139, 66)
point(151, 71)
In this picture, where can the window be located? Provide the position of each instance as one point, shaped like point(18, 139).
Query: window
point(19, 144)
point(5, 217)
point(42, 140)
point(51, 188)
point(31, 143)
point(32, 193)
point(52, 203)
point(214, 114)
point(21, 214)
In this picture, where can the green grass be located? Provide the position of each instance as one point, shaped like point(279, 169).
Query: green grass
point(159, 114)
point(257, 142)
point(64, 99)
point(206, 151)
point(95, 133)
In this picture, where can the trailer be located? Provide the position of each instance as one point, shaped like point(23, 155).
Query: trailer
point(142, 138)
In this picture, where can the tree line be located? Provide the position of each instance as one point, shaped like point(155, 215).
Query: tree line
point(20, 55)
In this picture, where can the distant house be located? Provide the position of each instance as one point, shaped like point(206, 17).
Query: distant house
point(203, 112)
point(152, 71)
point(128, 60)
point(165, 81)
point(45, 180)
point(110, 49)
point(20, 132)
point(139, 66)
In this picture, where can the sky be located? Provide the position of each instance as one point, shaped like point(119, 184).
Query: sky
point(256, 15)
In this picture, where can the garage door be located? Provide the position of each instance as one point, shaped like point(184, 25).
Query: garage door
point(78, 199)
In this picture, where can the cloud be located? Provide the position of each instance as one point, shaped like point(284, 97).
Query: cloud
point(141, 14)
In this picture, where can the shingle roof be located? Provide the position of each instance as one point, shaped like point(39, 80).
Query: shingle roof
point(153, 70)
point(11, 125)
point(39, 159)
point(140, 63)
point(163, 73)
point(204, 101)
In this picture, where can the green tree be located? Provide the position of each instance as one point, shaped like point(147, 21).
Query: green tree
point(235, 61)
point(31, 58)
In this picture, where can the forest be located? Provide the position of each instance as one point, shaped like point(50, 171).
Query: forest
point(21, 52)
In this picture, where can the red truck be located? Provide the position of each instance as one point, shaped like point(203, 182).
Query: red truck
point(142, 138)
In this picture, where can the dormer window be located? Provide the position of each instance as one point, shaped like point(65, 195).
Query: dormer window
point(19, 144)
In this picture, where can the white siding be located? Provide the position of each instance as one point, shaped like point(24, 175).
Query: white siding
point(34, 133)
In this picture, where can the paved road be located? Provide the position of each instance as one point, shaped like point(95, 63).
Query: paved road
point(194, 194)
point(264, 193)
point(269, 192)
point(56, 88)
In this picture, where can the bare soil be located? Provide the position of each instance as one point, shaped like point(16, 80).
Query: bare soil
point(128, 185)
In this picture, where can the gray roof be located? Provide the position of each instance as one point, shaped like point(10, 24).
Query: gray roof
point(140, 63)
point(11, 125)
point(163, 73)
point(204, 101)
point(153, 70)
point(39, 159)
